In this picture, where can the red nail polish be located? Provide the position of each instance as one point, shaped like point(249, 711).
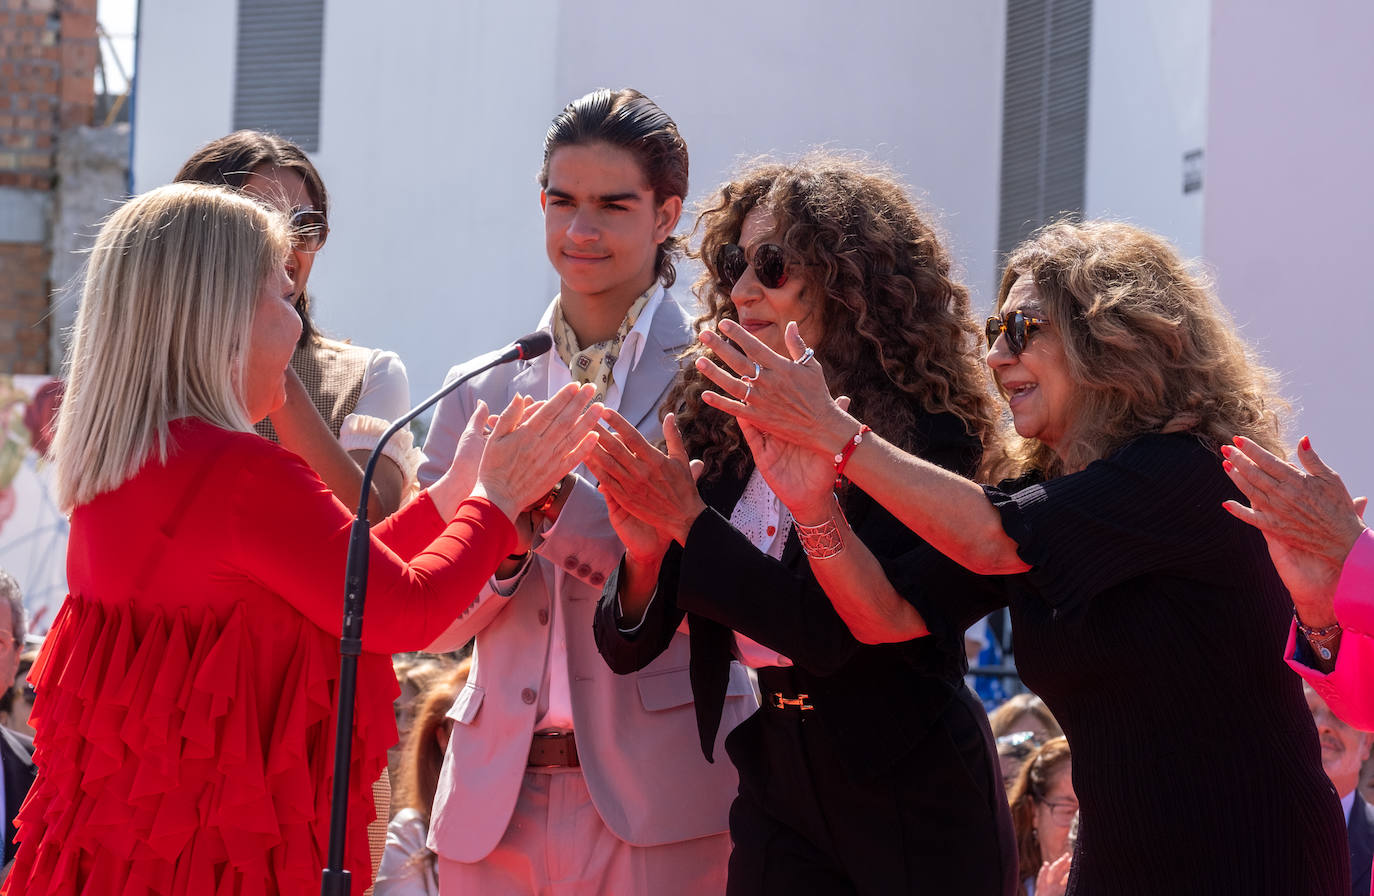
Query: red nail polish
point(1228, 466)
point(1226, 450)
point(1305, 443)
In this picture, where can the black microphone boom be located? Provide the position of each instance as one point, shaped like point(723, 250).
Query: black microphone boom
point(335, 881)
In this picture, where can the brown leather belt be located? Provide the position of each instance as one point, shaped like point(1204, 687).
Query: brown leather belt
point(553, 749)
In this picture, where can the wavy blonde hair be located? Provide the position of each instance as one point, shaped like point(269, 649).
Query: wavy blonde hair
point(1147, 343)
point(898, 333)
point(166, 309)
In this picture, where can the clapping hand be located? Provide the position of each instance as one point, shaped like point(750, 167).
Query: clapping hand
point(1307, 516)
point(652, 495)
point(534, 444)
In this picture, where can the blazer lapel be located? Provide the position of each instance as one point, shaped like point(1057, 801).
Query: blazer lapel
point(645, 389)
point(712, 644)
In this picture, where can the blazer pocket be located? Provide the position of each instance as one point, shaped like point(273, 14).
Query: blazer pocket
point(464, 709)
point(664, 690)
point(673, 687)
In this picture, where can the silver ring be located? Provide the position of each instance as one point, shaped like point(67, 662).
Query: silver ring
point(757, 370)
point(806, 356)
point(748, 390)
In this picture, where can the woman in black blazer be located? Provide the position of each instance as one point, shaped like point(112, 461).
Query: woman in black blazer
point(870, 768)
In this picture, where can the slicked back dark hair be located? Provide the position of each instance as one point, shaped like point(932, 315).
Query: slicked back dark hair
point(630, 120)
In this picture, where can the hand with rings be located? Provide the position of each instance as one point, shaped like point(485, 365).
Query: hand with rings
point(749, 381)
point(796, 406)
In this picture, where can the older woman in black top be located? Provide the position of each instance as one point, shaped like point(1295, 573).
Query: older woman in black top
point(869, 768)
point(1148, 618)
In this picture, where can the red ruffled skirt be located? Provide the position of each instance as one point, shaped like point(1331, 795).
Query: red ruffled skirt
point(175, 758)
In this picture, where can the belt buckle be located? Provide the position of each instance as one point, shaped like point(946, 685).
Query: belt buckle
point(553, 749)
point(798, 702)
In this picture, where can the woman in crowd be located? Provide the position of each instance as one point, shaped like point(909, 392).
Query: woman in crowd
point(1020, 726)
point(1124, 574)
point(869, 768)
point(1043, 809)
point(186, 692)
point(340, 398)
point(407, 864)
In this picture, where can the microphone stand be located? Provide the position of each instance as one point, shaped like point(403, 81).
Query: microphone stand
point(335, 881)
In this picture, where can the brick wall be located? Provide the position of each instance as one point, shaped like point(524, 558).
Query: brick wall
point(47, 62)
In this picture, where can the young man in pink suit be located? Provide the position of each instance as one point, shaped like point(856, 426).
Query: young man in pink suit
point(1325, 554)
point(560, 776)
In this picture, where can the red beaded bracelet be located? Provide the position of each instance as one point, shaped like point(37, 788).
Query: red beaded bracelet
point(842, 459)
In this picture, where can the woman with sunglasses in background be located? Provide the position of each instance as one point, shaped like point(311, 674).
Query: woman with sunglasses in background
point(340, 397)
point(1149, 620)
point(1043, 809)
point(870, 768)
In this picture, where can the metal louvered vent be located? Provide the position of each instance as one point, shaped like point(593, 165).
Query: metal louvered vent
point(1044, 115)
point(277, 82)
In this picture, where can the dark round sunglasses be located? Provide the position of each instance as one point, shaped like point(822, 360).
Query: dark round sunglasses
point(769, 263)
point(1017, 325)
point(309, 229)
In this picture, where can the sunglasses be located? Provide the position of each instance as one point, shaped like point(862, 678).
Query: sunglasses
point(769, 263)
point(1018, 327)
point(309, 229)
point(1018, 744)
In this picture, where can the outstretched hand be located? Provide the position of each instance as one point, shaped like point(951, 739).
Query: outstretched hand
point(645, 488)
point(786, 399)
point(1307, 516)
point(534, 444)
point(801, 479)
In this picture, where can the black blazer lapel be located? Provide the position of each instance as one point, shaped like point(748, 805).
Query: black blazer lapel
point(712, 644)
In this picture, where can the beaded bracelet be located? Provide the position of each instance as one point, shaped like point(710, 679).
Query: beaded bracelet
point(842, 459)
point(1320, 638)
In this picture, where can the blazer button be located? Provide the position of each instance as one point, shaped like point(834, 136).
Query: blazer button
point(584, 571)
point(527, 695)
point(597, 578)
point(570, 564)
point(543, 616)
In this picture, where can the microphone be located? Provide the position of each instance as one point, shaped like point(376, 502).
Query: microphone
point(335, 881)
point(529, 346)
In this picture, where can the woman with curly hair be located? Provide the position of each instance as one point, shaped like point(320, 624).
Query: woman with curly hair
point(1128, 582)
point(869, 768)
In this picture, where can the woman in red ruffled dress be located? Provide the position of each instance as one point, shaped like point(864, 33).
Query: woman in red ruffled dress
point(186, 691)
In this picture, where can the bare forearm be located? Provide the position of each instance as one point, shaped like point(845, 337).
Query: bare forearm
point(860, 591)
point(637, 585)
point(947, 510)
point(301, 430)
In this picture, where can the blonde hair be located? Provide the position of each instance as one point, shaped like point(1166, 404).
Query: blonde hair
point(1148, 345)
point(166, 311)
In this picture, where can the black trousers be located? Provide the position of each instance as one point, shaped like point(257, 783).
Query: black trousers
point(935, 822)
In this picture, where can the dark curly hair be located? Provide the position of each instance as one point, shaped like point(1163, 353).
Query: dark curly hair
point(630, 120)
point(898, 334)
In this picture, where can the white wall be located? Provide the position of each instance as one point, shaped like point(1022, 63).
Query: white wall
point(1147, 106)
point(433, 121)
point(1289, 225)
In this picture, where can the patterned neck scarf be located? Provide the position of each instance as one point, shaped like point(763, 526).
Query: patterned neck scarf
point(595, 364)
